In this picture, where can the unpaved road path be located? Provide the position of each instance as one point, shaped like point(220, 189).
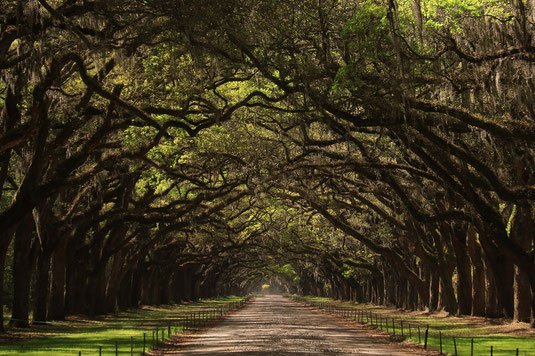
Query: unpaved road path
point(274, 325)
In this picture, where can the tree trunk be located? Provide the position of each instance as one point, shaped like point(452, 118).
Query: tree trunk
point(491, 300)
point(390, 289)
point(478, 274)
point(522, 233)
point(114, 282)
point(4, 246)
point(433, 291)
point(124, 300)
point(156, 288)
point(345, 289)
point(146, 285)
point(195, 290)
point(442, 296)
point(464, 278)
point(380, 289)
point(56, 309)
point(500, 274)
point(165, 282)
point(135, 295)
point(401, 292)
point(41, 287)
point(187, 284)
point(423, 292)
point(179, 286)
point(23, 260)
point(412, 297)
point(97, 291)
point(76, 279)
point(532, 285)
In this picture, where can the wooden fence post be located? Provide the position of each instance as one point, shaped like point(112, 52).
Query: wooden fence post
point(472, 347)
point(426, 334)
point(440, 340)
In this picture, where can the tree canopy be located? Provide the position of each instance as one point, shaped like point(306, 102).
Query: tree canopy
point(164, 150)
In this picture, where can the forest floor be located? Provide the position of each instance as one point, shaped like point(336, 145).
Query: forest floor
point(503, 335)
point(274, 325)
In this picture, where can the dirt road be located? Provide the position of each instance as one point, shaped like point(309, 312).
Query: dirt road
point(274, 325)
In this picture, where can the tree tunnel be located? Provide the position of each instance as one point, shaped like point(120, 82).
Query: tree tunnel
point(162, 151)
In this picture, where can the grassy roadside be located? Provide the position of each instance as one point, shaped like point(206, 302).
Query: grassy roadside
point(503, 335)
point(87, 334)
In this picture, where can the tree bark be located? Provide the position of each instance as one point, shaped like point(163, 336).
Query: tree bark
point(478, 273)
point(522, 233)
point(74, 271)
point(124, 300)
point(499, 271)
point(532, 285)
point(492, 309)
point(423, 297)
point(4, 245)
point(433, 291)
point(401, 297)
point(390, 289)
point(114, 282)
point(464, 278)
point(23, 260)
point(56, 309)
point(187, 284)
point(41, 288)
point(195, 290)
point(135, 295)
point(412, 297)
point(156, 288)
point(97, 291)
point(380, 289)
point(165, 281)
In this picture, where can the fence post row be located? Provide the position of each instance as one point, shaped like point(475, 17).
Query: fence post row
point(192, 319)
point(358, 314)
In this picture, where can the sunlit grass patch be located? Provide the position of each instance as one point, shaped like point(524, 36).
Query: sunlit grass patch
point(126, 330)
point(470, 333)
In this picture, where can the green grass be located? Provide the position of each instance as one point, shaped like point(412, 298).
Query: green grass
point(505, 337)
point(86, 335)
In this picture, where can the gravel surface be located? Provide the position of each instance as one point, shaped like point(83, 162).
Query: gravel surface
point(274, 325)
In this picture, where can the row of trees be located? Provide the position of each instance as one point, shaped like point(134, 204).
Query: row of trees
point(163, 150)
point(104, 179)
